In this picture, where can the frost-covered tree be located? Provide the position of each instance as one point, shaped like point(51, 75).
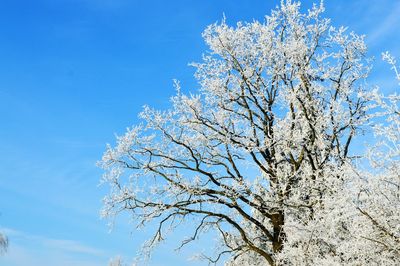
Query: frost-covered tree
point(118, 261)
point(3, 243)
point(358, 224)
point(378, 201)
point(262, 151)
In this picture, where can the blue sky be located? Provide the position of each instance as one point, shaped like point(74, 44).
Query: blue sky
point(73, 73)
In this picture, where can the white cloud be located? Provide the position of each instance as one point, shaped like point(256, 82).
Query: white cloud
point(387, 26)
point(34, 250)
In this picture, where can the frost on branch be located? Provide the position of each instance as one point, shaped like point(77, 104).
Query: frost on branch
point(262, 151)
point(379, 199)
point(359, 224)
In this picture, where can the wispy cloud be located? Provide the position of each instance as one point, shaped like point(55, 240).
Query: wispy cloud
point(65, 245)
point(30, 249)
point(385, 27)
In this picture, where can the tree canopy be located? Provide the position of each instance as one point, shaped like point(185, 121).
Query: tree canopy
point(262, 154)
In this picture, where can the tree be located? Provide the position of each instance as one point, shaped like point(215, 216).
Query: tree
point(358, 224)
point(117, 261)
point(3, 243)
point(261, 153)
point(378, 200)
